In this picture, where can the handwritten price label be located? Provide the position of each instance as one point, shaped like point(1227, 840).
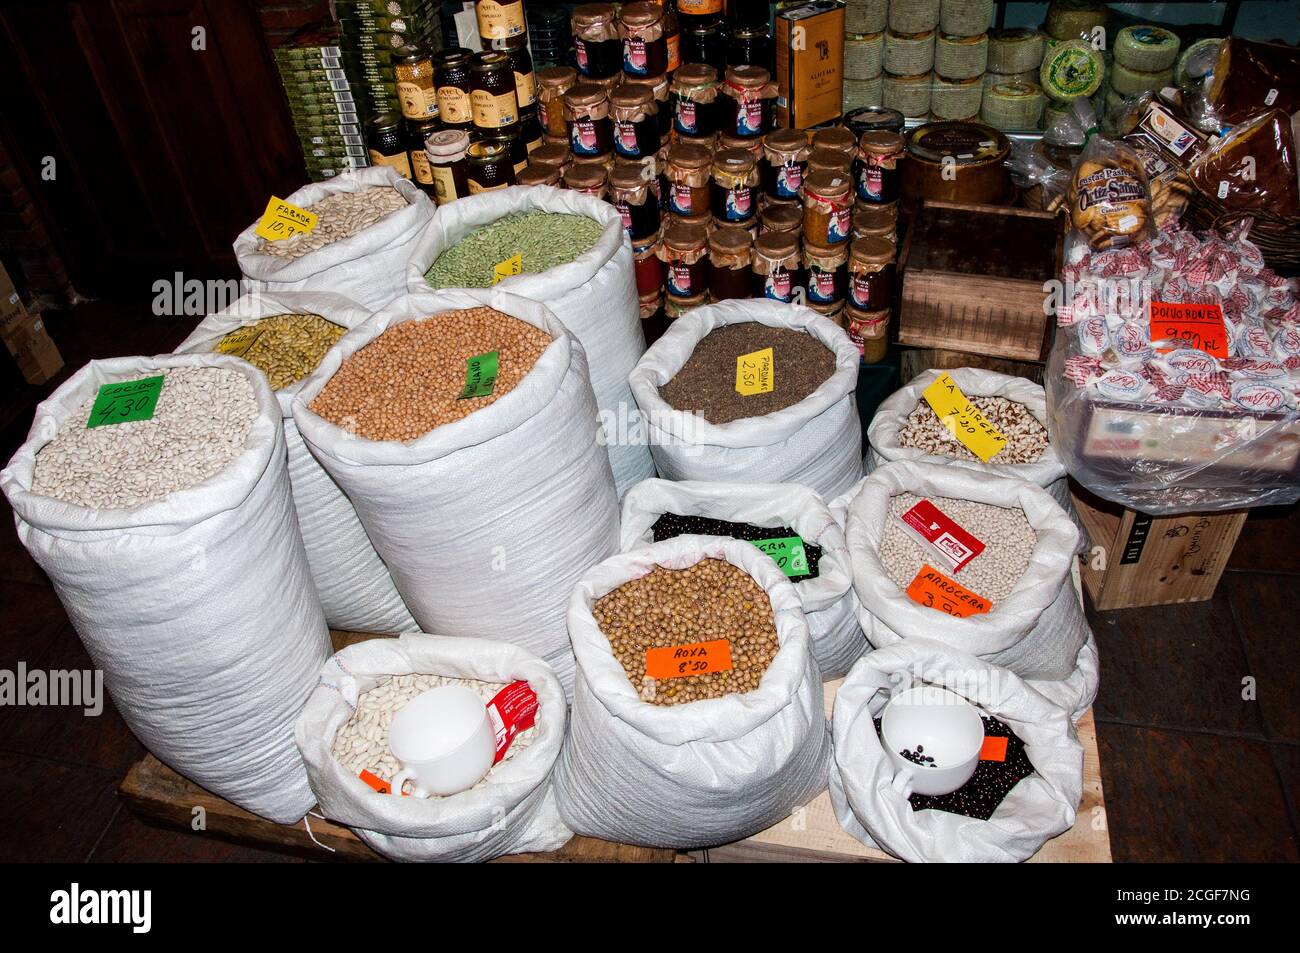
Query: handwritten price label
point(697, 658)
point(282, 220)
point(1198, 326)
point(124, 401)
point(788, 552)
point(755, 373)
point(480, 375)
point(963, 419)
point(238, 342)
point(514, 265)
point(934, 590)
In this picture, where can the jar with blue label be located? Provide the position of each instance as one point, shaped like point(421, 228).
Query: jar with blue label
point(776, 269)
point(828, 273)
point(586, 112)
point(645, 46)
point(694, 94)
point(827, 208)
point(685, 253)
point(636, 121)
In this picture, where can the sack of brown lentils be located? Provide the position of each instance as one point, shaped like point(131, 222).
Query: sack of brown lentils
point(771, 513)
point(803, 428)
point(173, 545)
point(1005, 813)
point(701, 760)
point(368, 221)
point(511, 811)
point(574, 257)
point(286, 334)
point(486, 509)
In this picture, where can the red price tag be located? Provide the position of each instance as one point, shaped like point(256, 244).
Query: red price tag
point(512, 710)
point(375, 782)
point(934, 590)
point(994, 749)
point(697, 658)
point(1198, 326)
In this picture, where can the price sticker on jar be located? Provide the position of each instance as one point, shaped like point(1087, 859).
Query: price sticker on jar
point(963, 419)
point(282, 220)
point(788, 553)
point(514, 265)
point(934, 590)
point(695, 658)
point(122, 402)
point(755, 373)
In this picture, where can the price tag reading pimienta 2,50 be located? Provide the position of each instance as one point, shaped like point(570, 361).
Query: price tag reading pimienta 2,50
point(480, 375)
point(124, 401)
point(963, 419)
point(696, 658)
point(755, 373)
point(282, 220)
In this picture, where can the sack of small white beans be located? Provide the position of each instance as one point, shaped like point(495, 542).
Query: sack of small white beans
point(829, 604)
point(485, 518)
point(706, 771)
point(363, 238)
point(869, 797)
point(343, 731)
point(173, 545)
point(355, 587)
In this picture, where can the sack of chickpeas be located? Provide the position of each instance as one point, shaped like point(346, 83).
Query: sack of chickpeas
point(785, 520)
point(753, 391)
point(1027, 780)
point(570, 252)
point(161, 510)
point(366, 227)
point(462, 427)
point(698, 717)
point(343, 733)
point(285, 335)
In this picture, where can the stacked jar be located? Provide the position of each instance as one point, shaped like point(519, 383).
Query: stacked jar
point(871, 280)
point(877, 168)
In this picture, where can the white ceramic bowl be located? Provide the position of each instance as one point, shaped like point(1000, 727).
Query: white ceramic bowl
point(931, 722)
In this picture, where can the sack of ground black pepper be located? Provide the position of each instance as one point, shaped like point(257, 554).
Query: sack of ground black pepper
point(568, 251)
point(461, 425)
point(797, 421)
point(658, 758)
point(1024, 792)
point(172, 544)
point(368, 222)
point(789, 522)
point(343, 731)
point(285, 335)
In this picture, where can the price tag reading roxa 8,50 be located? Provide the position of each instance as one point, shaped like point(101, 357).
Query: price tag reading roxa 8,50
point(123, 401)
point(697, 658)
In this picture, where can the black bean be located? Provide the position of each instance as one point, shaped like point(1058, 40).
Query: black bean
point(670, 525)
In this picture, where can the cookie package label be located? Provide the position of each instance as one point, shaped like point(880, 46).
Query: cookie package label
point(963, 420)
point(944, 535)
point(755, 373)
point(680, 661)
point(282, 220)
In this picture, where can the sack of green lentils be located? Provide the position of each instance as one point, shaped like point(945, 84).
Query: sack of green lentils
point(664, 760)
point(790, 523)
point(343, 731)
point(798, 425)
point(570, 252)
point(286, 334)
point(367, 224)
point(1008, 809)
point(462, 426)
point(172, 544)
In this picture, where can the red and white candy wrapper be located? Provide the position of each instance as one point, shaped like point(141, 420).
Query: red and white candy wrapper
point(1123, 385)
point(1259, 397)
point(1131, 341)
point(1082, 370)
point(1094, 336)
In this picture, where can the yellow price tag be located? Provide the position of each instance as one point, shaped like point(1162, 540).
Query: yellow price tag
point(963, 419)
point(755, 373)
point(238, 341)
point(514, 265)
point(282, 220)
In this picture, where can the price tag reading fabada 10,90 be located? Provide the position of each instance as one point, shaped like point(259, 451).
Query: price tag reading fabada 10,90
point(963, 419)
point(282, 220)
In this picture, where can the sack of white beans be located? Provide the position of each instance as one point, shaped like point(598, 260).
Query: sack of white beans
point(829, 604)
point(355, 587)
point(703, 772)
point(343, 731)
point(485, 522)
point(869, 796)
point(173, 545)
point(359, 248)
point(816, 442)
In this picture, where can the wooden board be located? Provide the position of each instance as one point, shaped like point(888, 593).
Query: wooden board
point(915, 361)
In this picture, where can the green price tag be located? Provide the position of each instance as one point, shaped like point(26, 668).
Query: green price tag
point(480, 375)
point(788, 552)
point(124, 401)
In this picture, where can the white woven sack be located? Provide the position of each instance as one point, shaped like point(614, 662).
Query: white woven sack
point(829, 604)
point(354, 585)
point(485, 523)
point(816, 442)
point(594, 296)
point(514, 813)
point(871, 808)
point(199, 608)
point(1037, 631)
point(368, 267)
point(708, 772)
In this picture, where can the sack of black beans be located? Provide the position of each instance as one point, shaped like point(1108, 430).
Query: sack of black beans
point(1023, 793)
point(674, 761)
point(788, 521)
point(172, 543)
point(798, 423)
point(343, 733)
point(367, 224)
point(570, 252)
point(286, 334)
point(462, 426)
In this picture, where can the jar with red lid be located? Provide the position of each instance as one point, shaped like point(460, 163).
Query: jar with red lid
point(775, 267)
point(745, 106)
point(694, 94)
point(688, 179)
point(589, 178)
point(632, 193)
point(645, 45)
point(591, 129)
point(827, 208)
point(871, 274)
point(827, 270)
point(730, 253)
point(734, 191)
point(785, 157)
point(876, 171)
point(597, 47)
point(685, 253)
point(636, 121)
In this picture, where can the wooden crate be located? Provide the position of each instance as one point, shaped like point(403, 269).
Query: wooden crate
point(972, 279)
point(914, 361)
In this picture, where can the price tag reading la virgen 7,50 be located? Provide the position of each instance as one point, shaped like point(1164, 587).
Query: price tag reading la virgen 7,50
point(963, 419)
point(282, 220)
point(755, 373)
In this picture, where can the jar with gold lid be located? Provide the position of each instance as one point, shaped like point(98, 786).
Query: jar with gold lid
point(513, 142)
point(871, 274)
point(746, 105)
point(488, 166)
point(688, 179)
point(735, 186)
point(775, 267)
point(827, 208)
point(413, 70)
point(730, 257)
point(591, 129)
point(785, 157)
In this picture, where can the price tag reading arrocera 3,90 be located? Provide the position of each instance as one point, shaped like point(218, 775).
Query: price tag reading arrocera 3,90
point(282, 220)
point(755, 373)
point(788, 552)
point(697, 658)
point(480, 375)
point(963, 419)
point(934, 590)
point(124, 401)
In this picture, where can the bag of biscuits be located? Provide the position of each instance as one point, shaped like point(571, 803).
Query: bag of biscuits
point(1110, 200)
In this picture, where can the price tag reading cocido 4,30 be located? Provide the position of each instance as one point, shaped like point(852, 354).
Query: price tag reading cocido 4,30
point(124, 401)
point(1199, 326)
point(697, 658)
point(963, 419)
point(755, 373)
point(282, 220)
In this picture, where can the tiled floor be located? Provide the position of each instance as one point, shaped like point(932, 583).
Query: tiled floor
point(1193, 770)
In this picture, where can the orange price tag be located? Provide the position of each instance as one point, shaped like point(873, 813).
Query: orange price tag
point(696, 658)
point(994, 749)
point(934, 590)
point(373, 780)
point(1198, 326)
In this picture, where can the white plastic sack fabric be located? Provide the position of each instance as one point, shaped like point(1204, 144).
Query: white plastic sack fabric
point(870, 807)
point(699, 774)
point(485, 523)
point(829, 604)
point(354, 585)
point(368, 267)
point(1037, 631)
point(513, 813)
point(199, 608)
point(816, 442)
point(1078, 690)
point(594, 296)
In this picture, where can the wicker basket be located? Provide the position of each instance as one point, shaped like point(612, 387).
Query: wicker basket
point(1276, 236)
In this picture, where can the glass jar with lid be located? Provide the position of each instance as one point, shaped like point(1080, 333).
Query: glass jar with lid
point(871, 274)
point(488, 166)
point(828, 160)
point(597, 47)
point(782, 217)
point(745, 106)
point(451, 77)
point(530, 129)
point(775, 270)
point(553, 82)
point(785, 157)
point(651, 169)
point(688, 179)
point(753, 146)
point(492, 91)
point(658, 86)
point(877, 170)
point(827, 269)
point(870, 218)
point(446, 151)
point(869, 330)
point(539, 174)
point(636, 121)
point(413, 69)
point(521, 64)
point(694, 95)
point(675, 306)
point(734, 191)
point(706, 42)
point(591, 129)
point(386, 143)
point(589, 178)
point(632, 193)
point(837, 138)
point(551, 153)
point(500, 19)
point(511, 139)
point(730, 253)
point(645, 45)
point(685, 253)
point(417, 131)
point(648, 267)
point(827, 208)
point(750, 46)
point(693, 12)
